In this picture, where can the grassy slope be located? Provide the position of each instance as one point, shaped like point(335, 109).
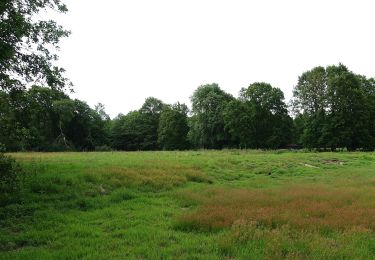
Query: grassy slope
point(179, 205)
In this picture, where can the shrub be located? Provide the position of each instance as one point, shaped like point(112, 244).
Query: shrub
point(103, 148)
point(10, 174)
point(2, 148)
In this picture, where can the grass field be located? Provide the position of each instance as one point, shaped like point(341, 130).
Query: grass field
point(192, 205)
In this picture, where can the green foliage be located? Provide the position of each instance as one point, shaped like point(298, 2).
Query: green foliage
point(173, 127)
point(338, 108)
point(150, 114)
point(28, 120)
point(26, 44)
point(239, 122)
point(348, 111)
point(298, 128)
point(127, 131)
point(208, 104)
point(138, 130)
point(265, 97)
point(310, 93)
point(10, 176)
point(65, 109)
point(259, 118)
point(333, 109)
point(194, 133)
point(44, 119)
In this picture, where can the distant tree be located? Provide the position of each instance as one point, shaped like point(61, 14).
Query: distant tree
point(9, 127)
point(266, 97)
point(173, 127)
point(240, 123)
point(129, 131)
point(150, 114)
point(65, 109)
point(194, 134)
point(369, 89)
point(299, 123)
point(259, 119)
point(337, 108)
point(348, 112)
point(27, 44)
point(31, 123)
point(310, 93)
point(101, 127)
point(79, 128)
point(310, 100)
point(152, 106)
point(45, 119)
point(138, 130)
point(42, 121)
point(208, 104)
point(100, 110)
point(86, 129)
point(18, 133)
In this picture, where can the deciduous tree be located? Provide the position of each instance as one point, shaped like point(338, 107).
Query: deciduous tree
point(28, 44)
point(208, 104)
point(173, 127)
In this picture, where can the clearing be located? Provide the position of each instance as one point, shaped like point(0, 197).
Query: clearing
point(227, 204)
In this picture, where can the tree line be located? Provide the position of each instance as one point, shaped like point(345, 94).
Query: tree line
point(331, 108)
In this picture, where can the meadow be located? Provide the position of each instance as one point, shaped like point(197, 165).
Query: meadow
point(230, 204)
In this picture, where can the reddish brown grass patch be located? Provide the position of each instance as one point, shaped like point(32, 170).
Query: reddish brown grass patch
point(301, 207)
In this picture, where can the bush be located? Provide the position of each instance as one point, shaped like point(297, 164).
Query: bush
point(2, 148)
point(10, 175)
point(103, 148)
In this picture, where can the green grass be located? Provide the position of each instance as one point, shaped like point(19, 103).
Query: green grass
point(192, 205)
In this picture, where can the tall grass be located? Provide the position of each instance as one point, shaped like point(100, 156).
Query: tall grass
point(192, 205)
point(302, 207)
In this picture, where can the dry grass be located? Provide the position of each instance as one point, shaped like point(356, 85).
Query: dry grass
point(156, 176)
point(304, 207)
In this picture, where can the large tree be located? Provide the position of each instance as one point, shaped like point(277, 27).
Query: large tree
point(138, 130)
point(208, 104)
point(45, 119)
point(173, 127)
point(272, 124)
point(28, 44)
point(259, 118)
point(28, 121)
point(239, 122)
point(337, 108)
point(348, 111)
point(150, 114)
point(310, 93)
point(128, 131)
point(40, 117)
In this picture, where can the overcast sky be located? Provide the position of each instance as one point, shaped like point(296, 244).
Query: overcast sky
point(121, 51)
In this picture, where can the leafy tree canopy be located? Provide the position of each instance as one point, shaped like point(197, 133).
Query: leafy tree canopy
point(208, 104)
point(28, 44)
point(173, 127)
point(337, 107)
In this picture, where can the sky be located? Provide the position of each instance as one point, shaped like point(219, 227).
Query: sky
point(122, 51)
